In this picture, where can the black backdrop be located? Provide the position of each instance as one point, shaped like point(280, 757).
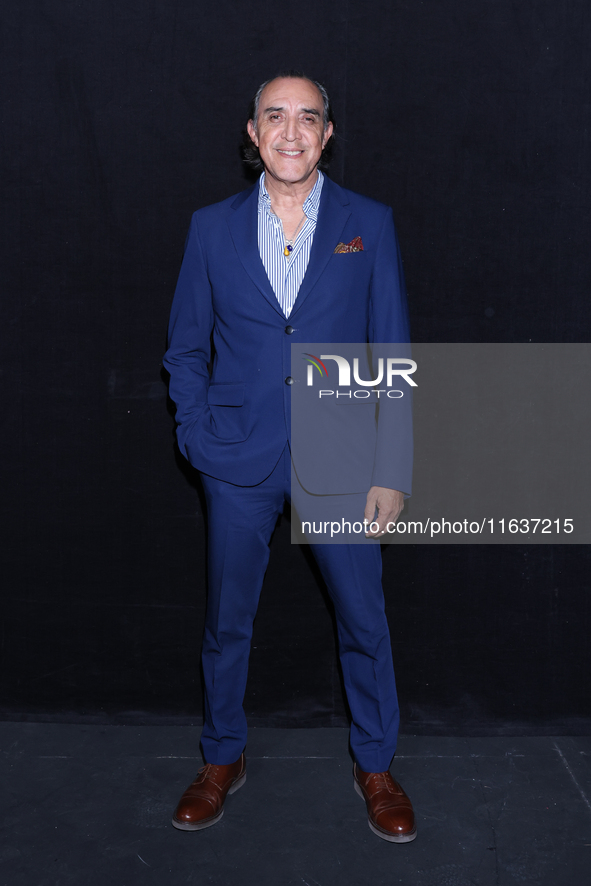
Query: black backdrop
point(471, 118)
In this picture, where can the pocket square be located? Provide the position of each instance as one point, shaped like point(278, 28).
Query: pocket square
point(356, 245)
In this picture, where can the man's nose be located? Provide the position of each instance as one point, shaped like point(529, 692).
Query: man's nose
point(291, 131)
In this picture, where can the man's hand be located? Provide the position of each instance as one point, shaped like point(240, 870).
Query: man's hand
point(389, 504)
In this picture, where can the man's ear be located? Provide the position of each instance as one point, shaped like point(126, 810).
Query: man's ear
point(327, 134)
point(252, 132)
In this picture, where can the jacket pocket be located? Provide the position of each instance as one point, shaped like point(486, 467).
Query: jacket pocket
point(225, 395)
point(228, 414)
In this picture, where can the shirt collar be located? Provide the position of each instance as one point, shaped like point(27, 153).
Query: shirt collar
point(311, 203)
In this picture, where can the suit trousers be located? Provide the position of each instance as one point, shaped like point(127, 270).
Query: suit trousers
point(241, 520)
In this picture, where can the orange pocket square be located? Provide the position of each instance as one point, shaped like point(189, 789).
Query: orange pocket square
point(356, 245)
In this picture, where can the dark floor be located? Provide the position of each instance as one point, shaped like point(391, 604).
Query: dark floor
point(92, 805)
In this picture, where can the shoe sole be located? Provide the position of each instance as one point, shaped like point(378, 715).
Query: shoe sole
point(391, 838)
point(199, 825)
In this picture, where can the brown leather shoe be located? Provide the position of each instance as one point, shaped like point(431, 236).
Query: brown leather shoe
point(390, 811)
point(202, 804)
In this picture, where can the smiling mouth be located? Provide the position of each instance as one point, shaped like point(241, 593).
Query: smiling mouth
point(289, 153)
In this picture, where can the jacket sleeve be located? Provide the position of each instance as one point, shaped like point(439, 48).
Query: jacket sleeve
point(189, 338)
point(390, 328)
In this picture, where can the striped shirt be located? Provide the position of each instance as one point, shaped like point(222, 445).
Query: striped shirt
point(286, 273)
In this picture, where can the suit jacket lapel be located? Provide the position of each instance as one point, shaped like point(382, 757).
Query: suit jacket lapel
point(332, 217)
point(243, 224)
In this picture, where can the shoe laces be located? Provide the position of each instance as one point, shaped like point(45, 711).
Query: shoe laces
point(207, 772)
point(383, 782)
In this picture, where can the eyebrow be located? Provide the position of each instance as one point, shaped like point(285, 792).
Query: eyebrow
point(303, 110)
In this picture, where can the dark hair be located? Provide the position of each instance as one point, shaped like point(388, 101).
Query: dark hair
point(250, 152)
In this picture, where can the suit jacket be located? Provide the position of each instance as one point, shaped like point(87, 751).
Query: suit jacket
point(229, 351)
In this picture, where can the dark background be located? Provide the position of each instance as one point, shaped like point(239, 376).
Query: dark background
point(471, 119)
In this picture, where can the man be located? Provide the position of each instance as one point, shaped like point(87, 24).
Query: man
point(268, 267)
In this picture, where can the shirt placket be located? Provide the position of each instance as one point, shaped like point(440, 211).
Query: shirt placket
point(291, 263)
point(300, 240)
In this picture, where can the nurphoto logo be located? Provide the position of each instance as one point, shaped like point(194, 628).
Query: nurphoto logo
point(395, 368)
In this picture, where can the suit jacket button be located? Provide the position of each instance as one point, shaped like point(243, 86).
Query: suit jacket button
point(289, 380)
point(289, 330)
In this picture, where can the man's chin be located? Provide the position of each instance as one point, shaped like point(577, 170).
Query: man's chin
point(290, 173)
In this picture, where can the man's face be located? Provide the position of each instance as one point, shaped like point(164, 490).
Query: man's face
point(289, 131)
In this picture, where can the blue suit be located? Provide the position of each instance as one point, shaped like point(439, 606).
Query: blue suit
point(233, 415)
